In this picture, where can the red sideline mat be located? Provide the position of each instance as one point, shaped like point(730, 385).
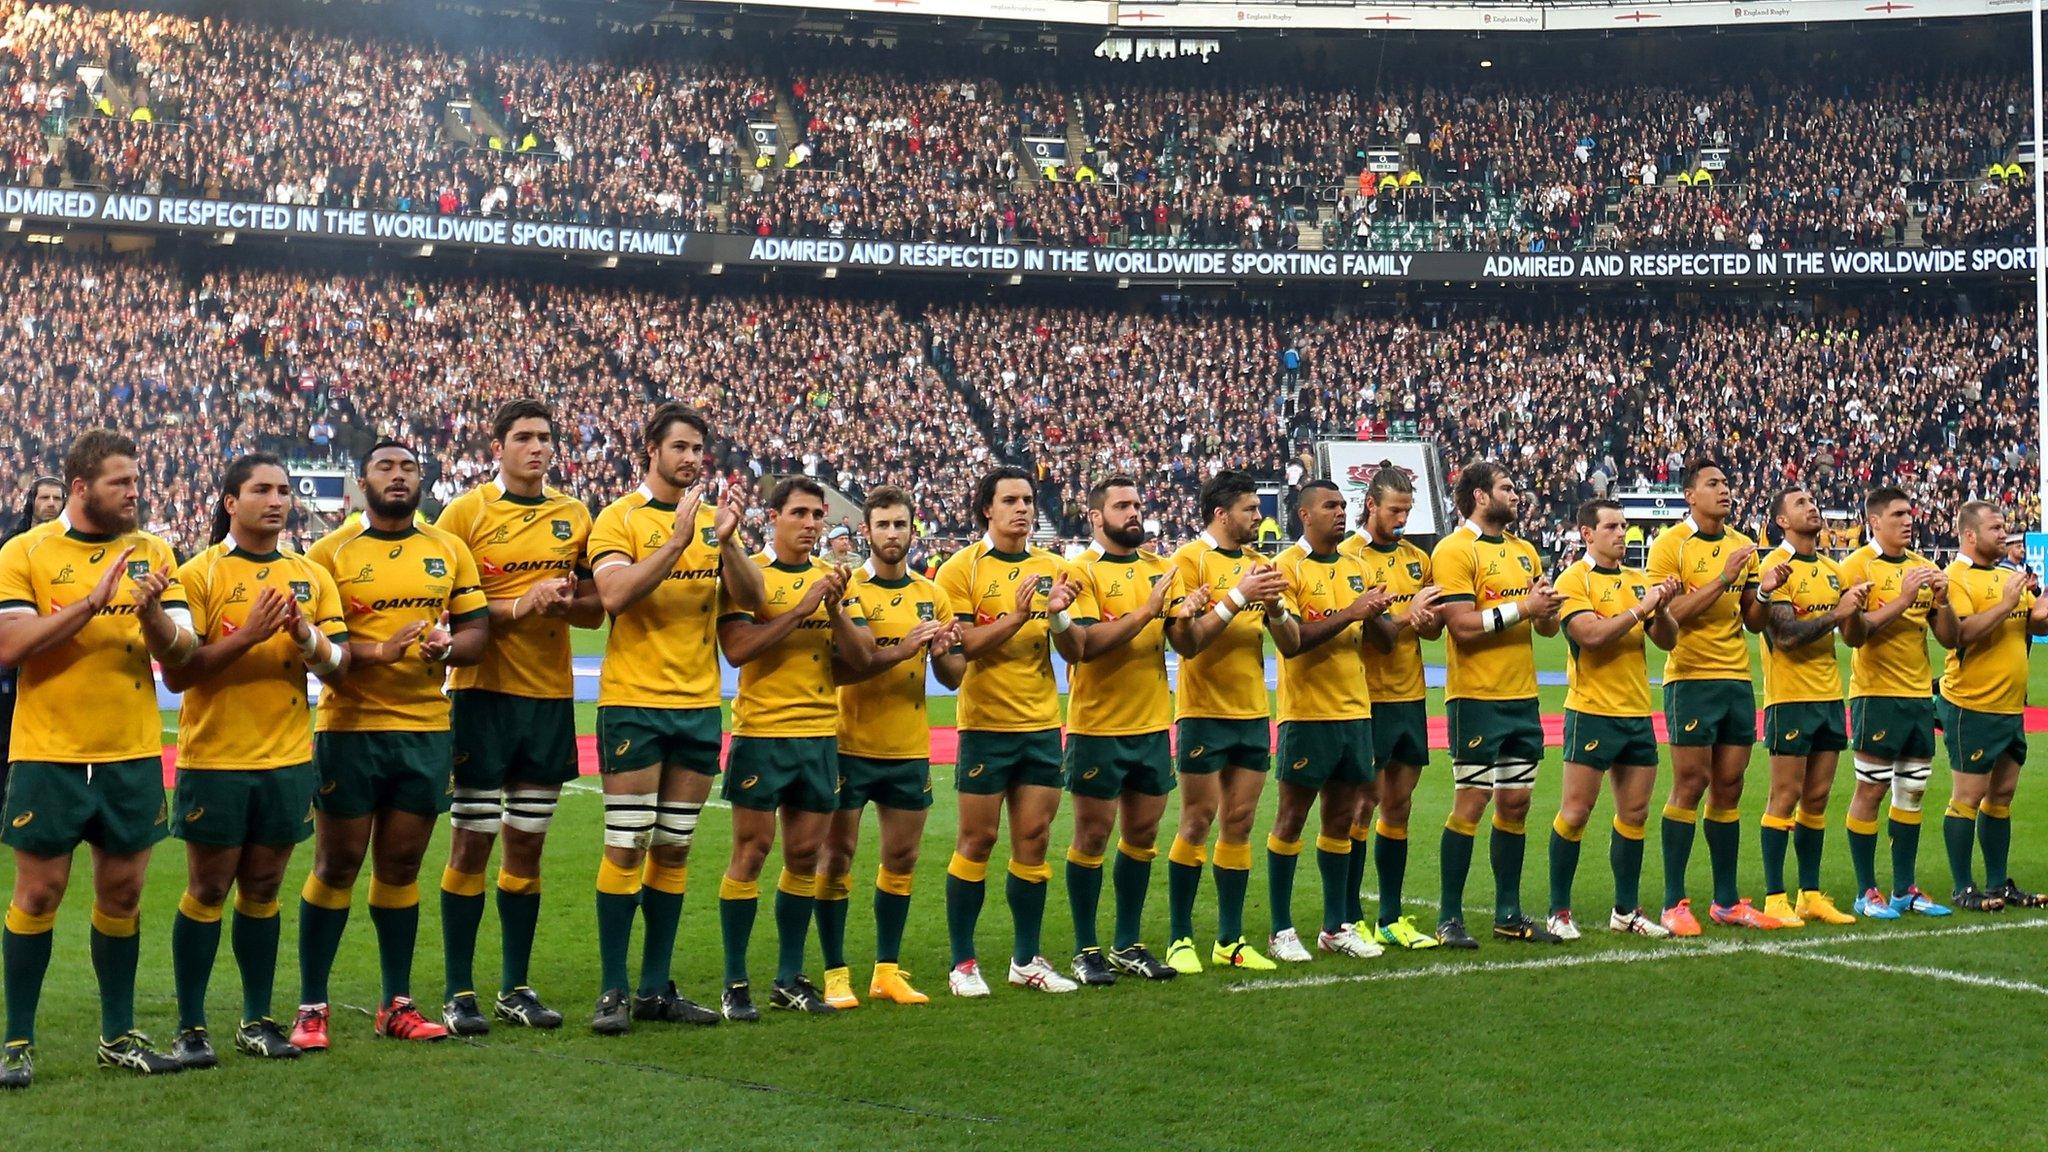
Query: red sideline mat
point(946, 741)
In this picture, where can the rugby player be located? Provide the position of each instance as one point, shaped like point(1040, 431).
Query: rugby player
point(86, 602)
point(514, 714)
point(660, 557)
point(413, 608)
point(885, 746)
point(244, 795)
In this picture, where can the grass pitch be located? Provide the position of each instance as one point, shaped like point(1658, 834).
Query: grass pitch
point(1848, 1037)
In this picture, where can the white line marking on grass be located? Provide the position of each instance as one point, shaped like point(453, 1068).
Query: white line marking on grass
point(581, 787)
point(1419, 901)
point(1676, 951)
point(1922, 970)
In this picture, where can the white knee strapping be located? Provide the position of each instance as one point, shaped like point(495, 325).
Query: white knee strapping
point(1873, 771)
point(530, 810)
point(1472, 775)
point(1521, 776)
point(1909, 784)
point(675, 824)
point(475, 810)
point(628, 820)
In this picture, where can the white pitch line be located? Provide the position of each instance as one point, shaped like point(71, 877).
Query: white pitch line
point(1671, 951)
point(1922, 970)
point(1419, 901)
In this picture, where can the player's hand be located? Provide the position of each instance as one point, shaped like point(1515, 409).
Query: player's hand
point(1662, 595)
point(1263, 584)
point(270, 613)
point(732, 508)
point(102, 593)
point(438, 640)
point(1027, 591)
point(923, 634)
point(1738, 563)
point(296, 625)
point(1155, 604)
point(948, 638)
point(1774, 579)
point(552, 598)
point(685, 527)
point(1061, 596)
point(391, 651)
point(1541, 601)
point(1916, 578)
point(1370, 603)
point(1195, 603)
point(831, 585)
point(149, 590)
point(1938, 585)
point(1854, 597)
point(2015, 585)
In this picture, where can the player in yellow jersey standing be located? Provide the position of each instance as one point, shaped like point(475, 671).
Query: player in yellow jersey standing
point(1119, 762)
point(1011, 600)
point(413, 608)
point(86, 602)
point(1607, 610)
point(1223, 737)
point(1326, 747)
point(660, 557)
point(1805, 730)
point(514, 714)
point(885, 746)
point(1891, 713)
point(244, 796)
point(784, 760)
point(1400, 716)
point(1985, 624)
point(1494, 597)
point(1709, 702)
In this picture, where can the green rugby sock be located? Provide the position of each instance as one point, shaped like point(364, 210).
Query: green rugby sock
point(195, 943)
point(1132, 878)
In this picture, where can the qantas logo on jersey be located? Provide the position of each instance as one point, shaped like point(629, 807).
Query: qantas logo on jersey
point(400, 603)
point(229, 627)
point(693, 574)
point(525, 566)
point(486, 568)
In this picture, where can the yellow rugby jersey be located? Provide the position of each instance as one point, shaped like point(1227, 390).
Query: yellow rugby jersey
point(787, 690)
point(1012, 688)
point(1402, 569)
point(1615, 680)
point(663, 651)
point(518, 542)
point(387, 580)
point(884, 717)
point(1487, 571)
point(1893, 662)
point(252, 714)
point(91, 699)
point(1226, 680)
point(1124, 693)
point(1326, 682)
point(1810, 671)
point(1711, 645)
point(1988, 676)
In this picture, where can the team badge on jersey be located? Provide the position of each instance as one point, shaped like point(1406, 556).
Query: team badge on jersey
point(137, 569)
point(1357, 584)
point(925, 610)
point(436, 567)
point(561, 529)
point(302, 590)
point(710, 537)
point(1415, 571)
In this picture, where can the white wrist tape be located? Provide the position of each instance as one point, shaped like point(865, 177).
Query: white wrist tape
point(1237, 600)
point(1224, 610)
point(1502, 618)
point(1060, 622)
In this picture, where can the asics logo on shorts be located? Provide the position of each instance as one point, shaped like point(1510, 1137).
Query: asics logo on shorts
point(22, 820)
point(1792, 735)
point(327, 789)
point(1301, 763)
point(1592, 744)
point(194, 815)
point(1090, 774)
point(1475, 742)
point(976, 771)
point(621, 749)
point(1691, 725)
point(1195, 753)
point(750, 781)
point(1877, 737)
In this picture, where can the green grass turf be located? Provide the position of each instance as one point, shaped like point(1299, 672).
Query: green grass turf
point(1688, 1045)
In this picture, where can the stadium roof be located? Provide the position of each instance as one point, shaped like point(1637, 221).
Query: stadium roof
point(1484, 16)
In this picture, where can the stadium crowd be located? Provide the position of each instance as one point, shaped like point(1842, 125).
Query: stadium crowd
point(206, 361)
point(891, 144)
